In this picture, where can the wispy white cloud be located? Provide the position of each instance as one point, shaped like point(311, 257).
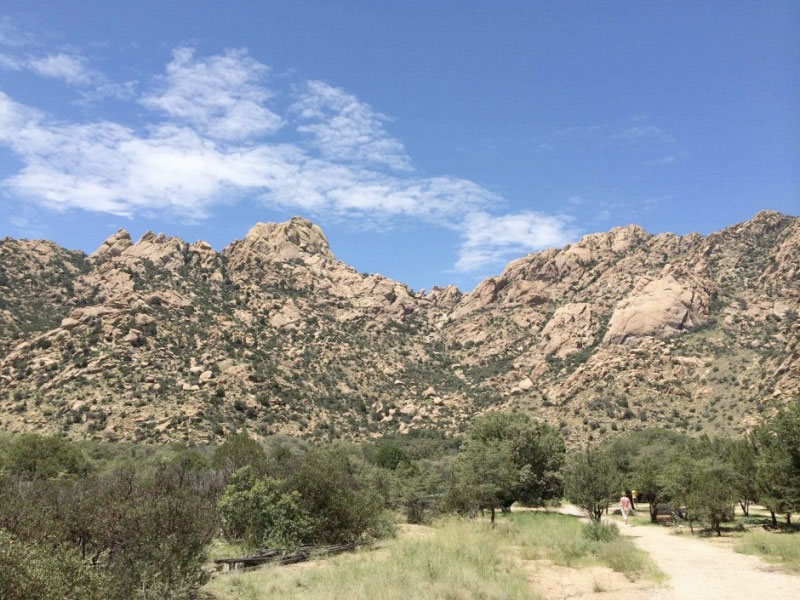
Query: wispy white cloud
point(208, 141)
point(221, 95)
point(641, 134)
point(12, 63)
point(344, 128)
point(638, 136)
point(109, 89)
point(490, 240)
point(664, 160)
point(16, 56)
point(11, 36)
point(107, 167)
point(69, 68)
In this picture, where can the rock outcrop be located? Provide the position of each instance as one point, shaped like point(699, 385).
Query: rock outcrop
point(664, 306)
point(572, 327)
point(114, 245)
point(298, 239)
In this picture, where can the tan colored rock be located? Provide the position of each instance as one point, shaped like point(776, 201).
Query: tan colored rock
point(525, 385)
point(69, 323)
point(446, 297)
point(114, 245)
point(408, 409)
point(288, 314)
point(429, 392)
point(572, 327)
point(90, 312)
point(144, 319)
point(133, 336)
point(168, 253)
point(661, 307)
point(295, 239)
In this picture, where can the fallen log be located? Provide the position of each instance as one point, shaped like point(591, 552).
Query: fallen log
point(284, 556)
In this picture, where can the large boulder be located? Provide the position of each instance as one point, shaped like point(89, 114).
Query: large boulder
point(114, 245)
point(572, 327)
point(675, 302)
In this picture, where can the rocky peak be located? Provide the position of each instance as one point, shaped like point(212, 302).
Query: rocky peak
point(166, 252)
point(297, 238)
point(114, 245)
point(445, 297)
point(623, 238)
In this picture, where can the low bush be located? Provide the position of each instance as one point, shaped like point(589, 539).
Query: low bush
point(35, 456)
point(601, 532)
point(29, 571)
point(262, 513)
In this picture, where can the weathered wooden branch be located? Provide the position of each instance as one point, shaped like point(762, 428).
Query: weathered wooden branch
point(284, 556)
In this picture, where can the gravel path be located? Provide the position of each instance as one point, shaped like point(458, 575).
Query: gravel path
point(699, 570)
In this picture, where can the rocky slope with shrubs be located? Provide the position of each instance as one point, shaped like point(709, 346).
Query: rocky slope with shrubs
point(163, 340)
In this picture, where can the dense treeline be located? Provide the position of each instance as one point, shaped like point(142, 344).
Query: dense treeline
point(82, 520)
point(701, 479)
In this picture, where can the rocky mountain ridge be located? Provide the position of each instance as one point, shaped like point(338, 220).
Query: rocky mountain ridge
point(167, 340)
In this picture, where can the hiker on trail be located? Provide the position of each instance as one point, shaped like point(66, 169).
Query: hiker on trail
point(625, 506)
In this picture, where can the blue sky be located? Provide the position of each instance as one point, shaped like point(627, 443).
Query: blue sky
point(433, 142)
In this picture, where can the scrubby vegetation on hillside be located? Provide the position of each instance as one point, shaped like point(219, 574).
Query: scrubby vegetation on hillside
point(167, 341)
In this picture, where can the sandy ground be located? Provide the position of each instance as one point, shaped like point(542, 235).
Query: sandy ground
point(555, 582)
point(699, 570)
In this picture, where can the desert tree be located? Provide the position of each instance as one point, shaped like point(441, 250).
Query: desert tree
point(591, 481)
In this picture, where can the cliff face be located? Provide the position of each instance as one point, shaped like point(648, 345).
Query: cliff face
point(165, 340)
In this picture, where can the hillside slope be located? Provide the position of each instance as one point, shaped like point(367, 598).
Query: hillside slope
point(165, 340)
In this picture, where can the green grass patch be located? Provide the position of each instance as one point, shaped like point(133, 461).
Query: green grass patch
point(460, 560)
point(220, 548)
point(568, 541)
point(623, 556)
point(776, 547)
point(545, 535)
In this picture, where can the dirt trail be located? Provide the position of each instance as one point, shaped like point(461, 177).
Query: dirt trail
point(699, 570)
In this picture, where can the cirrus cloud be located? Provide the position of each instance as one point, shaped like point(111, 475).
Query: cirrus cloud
point(488, 240)
point(208, 139)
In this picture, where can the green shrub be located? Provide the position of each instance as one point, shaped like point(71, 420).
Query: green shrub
point(237, 451)
point(601, 532)
point(343, 509)
point(590, 481)
point(389, 455)
point(144, 527)
point(260, 512)
point(29, 571)
point(34, 456)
